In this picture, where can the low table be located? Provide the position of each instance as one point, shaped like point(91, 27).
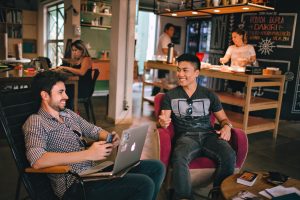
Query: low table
point(230, 187)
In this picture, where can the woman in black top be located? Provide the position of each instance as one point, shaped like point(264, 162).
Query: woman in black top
point(81, 67)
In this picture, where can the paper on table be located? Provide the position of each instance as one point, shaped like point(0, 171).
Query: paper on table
point(278, 191)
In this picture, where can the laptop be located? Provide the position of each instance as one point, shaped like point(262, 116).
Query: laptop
point(128, 155)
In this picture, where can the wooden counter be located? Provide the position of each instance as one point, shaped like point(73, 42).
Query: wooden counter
point(103, 67)
point(249, 124)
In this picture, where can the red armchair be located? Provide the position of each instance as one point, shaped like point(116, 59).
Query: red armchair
point(201, 168)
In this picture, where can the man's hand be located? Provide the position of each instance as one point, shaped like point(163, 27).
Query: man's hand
point(164, 118)
point(225, 133)
point(116, 139)
point(99, 150)
point(223, 60)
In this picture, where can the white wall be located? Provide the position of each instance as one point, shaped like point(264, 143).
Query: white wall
point(162, 20)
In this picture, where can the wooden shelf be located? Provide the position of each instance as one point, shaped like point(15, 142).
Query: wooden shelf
point(96, 27)
point(256, 103)
point(219, 10)
point(97, 14)
point(255, 124)
point(238, 8)
point(249, 103)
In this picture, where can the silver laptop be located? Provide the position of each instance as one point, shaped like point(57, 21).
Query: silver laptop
point(128, 155)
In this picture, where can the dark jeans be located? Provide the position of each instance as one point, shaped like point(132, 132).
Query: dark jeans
point(192, 145)
point(140, 183)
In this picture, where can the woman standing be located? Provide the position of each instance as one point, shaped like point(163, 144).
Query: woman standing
point(81, 67)
point(240, 53)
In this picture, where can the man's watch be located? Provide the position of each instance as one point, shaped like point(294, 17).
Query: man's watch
point(228, 124)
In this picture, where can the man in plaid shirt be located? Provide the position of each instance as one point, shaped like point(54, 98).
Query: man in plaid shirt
point(53, 137)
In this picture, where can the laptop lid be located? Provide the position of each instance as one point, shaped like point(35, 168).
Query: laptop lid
point(130, 148)
point(128, 155)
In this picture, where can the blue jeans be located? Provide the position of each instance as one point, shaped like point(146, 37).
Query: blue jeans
point(192, 145)
point(140, 183)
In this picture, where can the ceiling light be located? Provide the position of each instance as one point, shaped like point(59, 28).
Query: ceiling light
point(194, 13)
point(216, 11)
point(245, 8)
point(174, 14)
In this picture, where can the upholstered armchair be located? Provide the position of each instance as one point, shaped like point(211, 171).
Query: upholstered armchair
point(202, 168)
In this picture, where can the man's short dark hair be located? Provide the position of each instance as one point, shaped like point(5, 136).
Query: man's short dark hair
point(44, 81)
point(190, 58)
point(167, 26)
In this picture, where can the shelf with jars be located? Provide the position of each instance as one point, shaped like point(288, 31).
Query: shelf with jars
point(95, 15)
point(205, 8)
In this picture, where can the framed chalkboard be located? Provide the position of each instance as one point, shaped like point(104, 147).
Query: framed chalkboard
point(267, 30)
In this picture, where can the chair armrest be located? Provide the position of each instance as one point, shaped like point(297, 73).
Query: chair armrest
point(239, 143)
point(50, 170)
point(165, 141)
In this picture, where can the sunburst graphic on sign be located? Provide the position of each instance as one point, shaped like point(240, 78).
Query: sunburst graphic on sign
point(266, 46)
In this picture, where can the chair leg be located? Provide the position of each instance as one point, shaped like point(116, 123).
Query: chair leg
point(92, 111)
point(86, 106)
point(18, 188)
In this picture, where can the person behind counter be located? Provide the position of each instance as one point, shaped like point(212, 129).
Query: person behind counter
point(82, 67)
point(240, 54)
point(162, 50)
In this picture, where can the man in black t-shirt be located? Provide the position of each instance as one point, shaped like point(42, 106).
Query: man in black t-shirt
point(189, 107)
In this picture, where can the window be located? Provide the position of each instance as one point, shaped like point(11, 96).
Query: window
point(55, 33)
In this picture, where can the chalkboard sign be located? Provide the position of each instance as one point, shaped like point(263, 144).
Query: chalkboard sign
point(267, 30)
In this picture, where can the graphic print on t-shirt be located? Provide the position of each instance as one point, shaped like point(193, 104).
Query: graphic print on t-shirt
point(194, 108)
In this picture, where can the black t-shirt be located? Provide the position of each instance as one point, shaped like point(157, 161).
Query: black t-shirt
point(191, 114)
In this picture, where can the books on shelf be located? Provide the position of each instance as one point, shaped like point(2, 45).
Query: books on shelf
point(247, 178)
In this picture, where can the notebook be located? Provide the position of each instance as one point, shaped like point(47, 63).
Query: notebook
point(128, 155)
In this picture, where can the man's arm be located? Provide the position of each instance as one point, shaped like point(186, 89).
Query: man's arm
point(85, 65)
point(98, 151)
point(225, 131)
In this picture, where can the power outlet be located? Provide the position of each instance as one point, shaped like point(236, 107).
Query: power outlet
point(125, 105)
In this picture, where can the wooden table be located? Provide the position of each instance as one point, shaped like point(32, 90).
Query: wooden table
point(15, 78)
point(15, 61)
point(230, 187)
point(246, 120)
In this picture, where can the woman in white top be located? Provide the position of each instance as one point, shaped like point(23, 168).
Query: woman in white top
point(240, 54)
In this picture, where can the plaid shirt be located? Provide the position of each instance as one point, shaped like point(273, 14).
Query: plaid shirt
point(44, 133)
